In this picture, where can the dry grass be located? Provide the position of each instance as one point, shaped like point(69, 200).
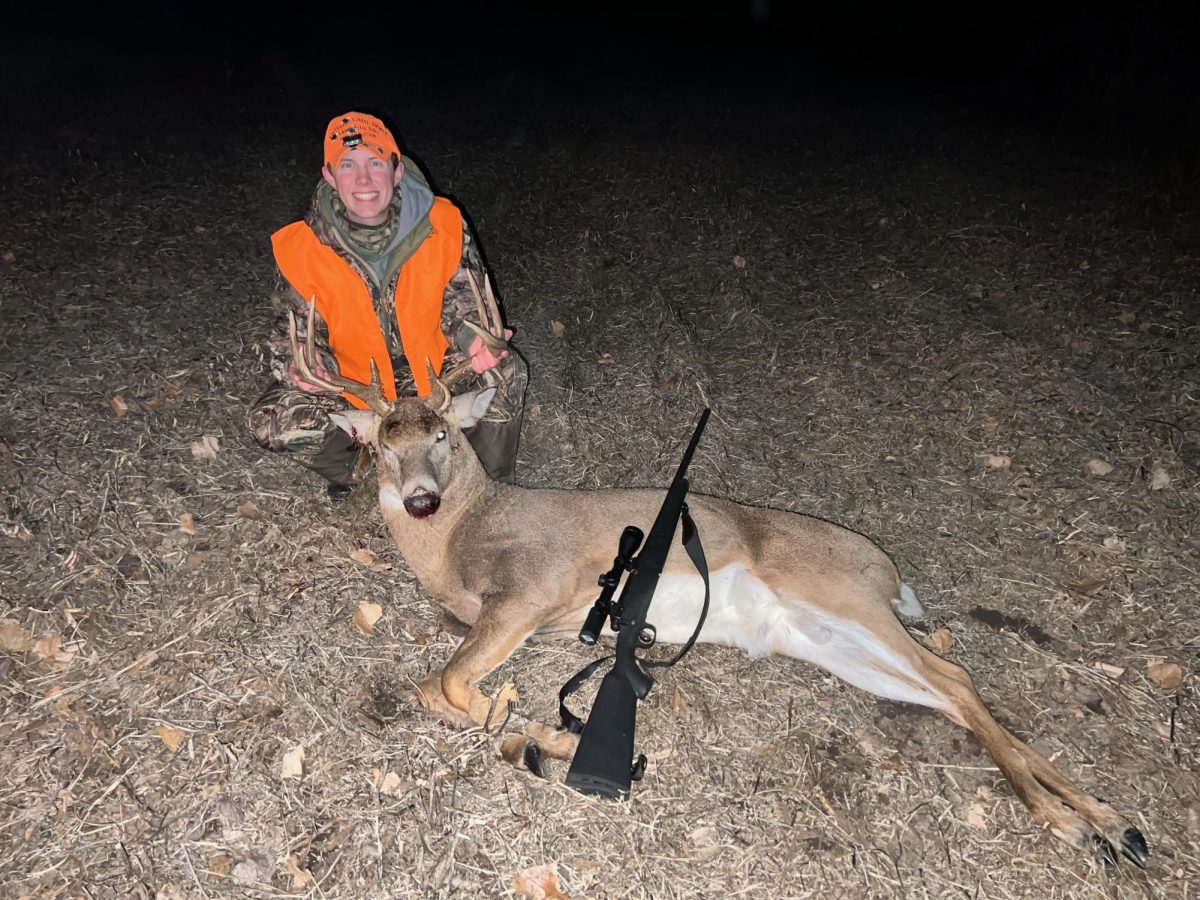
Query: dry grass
point(914, 300)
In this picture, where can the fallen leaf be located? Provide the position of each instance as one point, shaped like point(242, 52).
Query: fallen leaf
point(1089, 586)
point(371, 560)
point(118, 405)
point(247, 509)
point(48, 648)
point(998, 461)
point(366, 615)
point(301, 878)
point(1167, 675)
point(677, 703)
point(1098, 467)
point(293, 764)
point(1159, 478)
point(990, 424)
point(13, 637)
point(739, 262)
point(539, 883)
point(557, 328)
point(974, 816)
point(940, 640)
point(391, 783)
point(893, 764)
point(1127, 317)
point(206, 448)
point(187, 523)
point(172, 737)
point(220, 864)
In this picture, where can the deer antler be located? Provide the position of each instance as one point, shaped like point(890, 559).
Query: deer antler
point(439, 391)
point(489, 313)
point(305, 356)
point(491, 331)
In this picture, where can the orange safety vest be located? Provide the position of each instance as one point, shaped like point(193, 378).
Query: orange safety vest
point(344, 300)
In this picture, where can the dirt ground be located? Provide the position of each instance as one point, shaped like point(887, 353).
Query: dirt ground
point(972, 341)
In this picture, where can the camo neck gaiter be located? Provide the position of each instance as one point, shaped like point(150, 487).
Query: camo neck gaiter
point(371, 241)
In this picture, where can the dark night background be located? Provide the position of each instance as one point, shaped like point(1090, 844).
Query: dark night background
point(1119, 78)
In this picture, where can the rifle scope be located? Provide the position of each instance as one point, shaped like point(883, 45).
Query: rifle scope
point(631, 539)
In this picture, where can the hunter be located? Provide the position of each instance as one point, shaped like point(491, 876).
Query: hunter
point(387, 266)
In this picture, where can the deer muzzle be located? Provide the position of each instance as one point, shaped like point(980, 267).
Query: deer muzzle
point(422, 504)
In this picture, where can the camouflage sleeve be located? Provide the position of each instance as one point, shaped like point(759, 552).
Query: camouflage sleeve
point(458, 303)
point(283, 298)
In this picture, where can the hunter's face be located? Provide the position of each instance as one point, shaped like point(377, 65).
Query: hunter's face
point(365, 183)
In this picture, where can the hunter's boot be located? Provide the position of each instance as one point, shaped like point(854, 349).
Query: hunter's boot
point(341, 462)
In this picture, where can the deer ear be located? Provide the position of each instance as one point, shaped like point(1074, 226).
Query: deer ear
point(360, 424)
point(467, 409)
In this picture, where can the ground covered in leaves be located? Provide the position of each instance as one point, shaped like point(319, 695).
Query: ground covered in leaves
point(977, 345)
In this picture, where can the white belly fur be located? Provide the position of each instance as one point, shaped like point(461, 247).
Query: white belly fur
point(743, 612)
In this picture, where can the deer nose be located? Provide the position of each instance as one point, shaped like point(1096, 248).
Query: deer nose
point(422, 505)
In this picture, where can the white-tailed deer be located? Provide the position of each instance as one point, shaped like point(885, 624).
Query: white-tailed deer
point(512, 562)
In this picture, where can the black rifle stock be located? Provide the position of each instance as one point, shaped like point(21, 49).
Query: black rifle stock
point(603, 763)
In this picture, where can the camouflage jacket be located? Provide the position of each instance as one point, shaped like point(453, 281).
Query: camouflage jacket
point(380, 271)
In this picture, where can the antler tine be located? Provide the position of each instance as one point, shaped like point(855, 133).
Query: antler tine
point(371, 394)
point(483, 317)
point(439, 391)
point(489, 296)
point(489, 312)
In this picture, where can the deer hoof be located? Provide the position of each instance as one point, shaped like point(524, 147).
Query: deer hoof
point(523, 753)
point(1133, 846)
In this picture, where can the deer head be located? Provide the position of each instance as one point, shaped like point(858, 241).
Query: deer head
point(418, 442)
point(419, 447)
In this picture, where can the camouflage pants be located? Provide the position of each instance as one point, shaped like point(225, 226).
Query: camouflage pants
point(288, 420)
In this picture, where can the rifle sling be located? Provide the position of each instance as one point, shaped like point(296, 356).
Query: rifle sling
point(695, 552)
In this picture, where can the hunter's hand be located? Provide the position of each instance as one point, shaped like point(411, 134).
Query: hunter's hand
point(482, 358)
point(299, 382)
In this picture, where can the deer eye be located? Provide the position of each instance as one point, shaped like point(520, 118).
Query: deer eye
point(441, 436)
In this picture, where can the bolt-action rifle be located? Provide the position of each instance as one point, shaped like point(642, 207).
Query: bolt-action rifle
point(603, 763)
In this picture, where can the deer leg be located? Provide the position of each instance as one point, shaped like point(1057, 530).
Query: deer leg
point(453, 693)
point(1070, 814)
point(878, 654)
